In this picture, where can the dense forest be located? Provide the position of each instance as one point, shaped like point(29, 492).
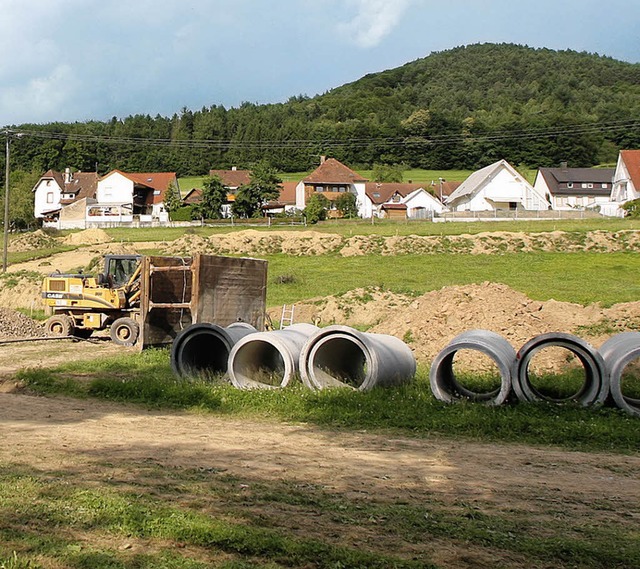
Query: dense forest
point(462, 108)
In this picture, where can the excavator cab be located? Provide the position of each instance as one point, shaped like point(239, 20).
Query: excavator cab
point(118, 269)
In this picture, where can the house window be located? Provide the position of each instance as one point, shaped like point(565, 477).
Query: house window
point(48, 182)
point(605, 185)
point(49, 197)
point(342, 189)
point(590, 185)
point(319, 188)
point(569, 185)
point(584, 185)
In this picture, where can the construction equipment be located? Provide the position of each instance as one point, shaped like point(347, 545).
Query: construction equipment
point(147, 300)
point(83, 303)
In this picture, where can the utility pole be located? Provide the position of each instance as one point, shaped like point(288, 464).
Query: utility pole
point(6, 202)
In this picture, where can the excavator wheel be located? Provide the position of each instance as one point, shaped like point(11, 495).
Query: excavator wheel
point(59, 325)
point(124, 331)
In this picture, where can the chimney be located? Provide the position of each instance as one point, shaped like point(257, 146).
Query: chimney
point(563, 165)
point(323, 159)
point(67, 175)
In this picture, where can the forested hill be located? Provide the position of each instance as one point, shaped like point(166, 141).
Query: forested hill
point(461, 108)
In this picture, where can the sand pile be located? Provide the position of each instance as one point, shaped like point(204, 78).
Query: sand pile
point(252, 242)
point(32, 241)
point(87, 237)
point(427, 323)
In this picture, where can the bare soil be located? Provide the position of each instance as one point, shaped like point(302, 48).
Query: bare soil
point(102, 442)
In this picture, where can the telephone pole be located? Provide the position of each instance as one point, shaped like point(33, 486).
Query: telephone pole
point(7, 133)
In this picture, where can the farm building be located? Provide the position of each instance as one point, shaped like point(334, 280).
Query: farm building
point(571, 188)
point(498, 186)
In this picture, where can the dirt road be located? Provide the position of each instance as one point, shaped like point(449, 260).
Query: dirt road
point(100, 441)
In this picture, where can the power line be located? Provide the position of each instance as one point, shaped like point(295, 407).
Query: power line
point(293, 144)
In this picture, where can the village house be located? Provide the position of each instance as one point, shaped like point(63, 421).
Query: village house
point(575, 188)
point(402, 200)
point(498, 186)
point(626, 182)
point(332, 179)
point(118, 198)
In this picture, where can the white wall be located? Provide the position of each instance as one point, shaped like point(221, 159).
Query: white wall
point(424, 200)
point(115, 188)
point(46, 196)
point(623, 189)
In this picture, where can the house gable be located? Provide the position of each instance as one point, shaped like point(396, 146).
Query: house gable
point(497, 186)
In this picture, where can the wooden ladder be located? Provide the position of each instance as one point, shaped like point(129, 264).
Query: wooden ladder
point(287, 316)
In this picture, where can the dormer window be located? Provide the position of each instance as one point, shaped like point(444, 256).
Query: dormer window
point(569, 185)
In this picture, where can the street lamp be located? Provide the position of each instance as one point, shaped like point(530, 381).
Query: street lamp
point(441, 180)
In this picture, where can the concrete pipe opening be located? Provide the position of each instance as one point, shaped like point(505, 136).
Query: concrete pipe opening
point(559, 368)
point(475, 365)
point(621, 354)
point(202, 350)
point(268, 360)
point(340, 356)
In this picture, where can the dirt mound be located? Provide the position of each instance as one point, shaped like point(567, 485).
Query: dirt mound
point(32, 241)
point(23, 291)
point(16, 325)
point(252, 242)
point(87, 237)
point(427, 323)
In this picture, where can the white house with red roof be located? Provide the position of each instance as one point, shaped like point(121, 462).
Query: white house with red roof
point(72, 201)
point(408, 200)
point(626, 182)
point(54, 190)
point(332, 179)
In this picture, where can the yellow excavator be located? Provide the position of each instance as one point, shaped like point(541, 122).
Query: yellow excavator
point(82, 303)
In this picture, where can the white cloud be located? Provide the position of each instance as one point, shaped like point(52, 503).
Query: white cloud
point(40, 97)
point(374, 20)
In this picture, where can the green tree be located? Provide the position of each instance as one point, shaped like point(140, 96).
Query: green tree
point(632, 208)
point(316, 209)
point(21, 199)
point(264, 185)
point(172, 200)
point(348, 205)
point(214, 195)
point(387, 172)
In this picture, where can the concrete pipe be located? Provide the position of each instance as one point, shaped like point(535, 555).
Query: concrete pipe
point(268, 360)
point(593, 391)
point(203, 349)
point(618, 352)
point(446, 387)
point(340, 356)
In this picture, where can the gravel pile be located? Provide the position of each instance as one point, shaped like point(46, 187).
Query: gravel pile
point(16, 325)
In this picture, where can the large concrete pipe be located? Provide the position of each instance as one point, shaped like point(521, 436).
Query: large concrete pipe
point(203, 349)
point(444, 384)
point(340, 356)
point(618, 352)
point(595, 387)
point(268, 360)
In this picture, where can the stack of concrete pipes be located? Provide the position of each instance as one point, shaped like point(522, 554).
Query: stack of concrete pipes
point(339, 356)
point(328, 357)
point(603, 368)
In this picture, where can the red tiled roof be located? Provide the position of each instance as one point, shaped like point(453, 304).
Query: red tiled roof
point(288, 193)
point(232, 178)
point(158, 181)
point(82, 184)
point(331, 171)
point(631, 159)
point(381, 192)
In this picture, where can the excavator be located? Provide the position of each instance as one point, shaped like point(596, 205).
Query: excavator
point(81, 303)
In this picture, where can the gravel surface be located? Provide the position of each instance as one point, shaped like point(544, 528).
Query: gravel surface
point(16, 325)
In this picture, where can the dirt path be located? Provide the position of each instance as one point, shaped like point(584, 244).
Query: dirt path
point(99, 441)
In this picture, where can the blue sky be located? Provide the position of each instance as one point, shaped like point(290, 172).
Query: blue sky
point(75, 60)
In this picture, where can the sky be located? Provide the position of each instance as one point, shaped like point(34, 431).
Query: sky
point(78, 60)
